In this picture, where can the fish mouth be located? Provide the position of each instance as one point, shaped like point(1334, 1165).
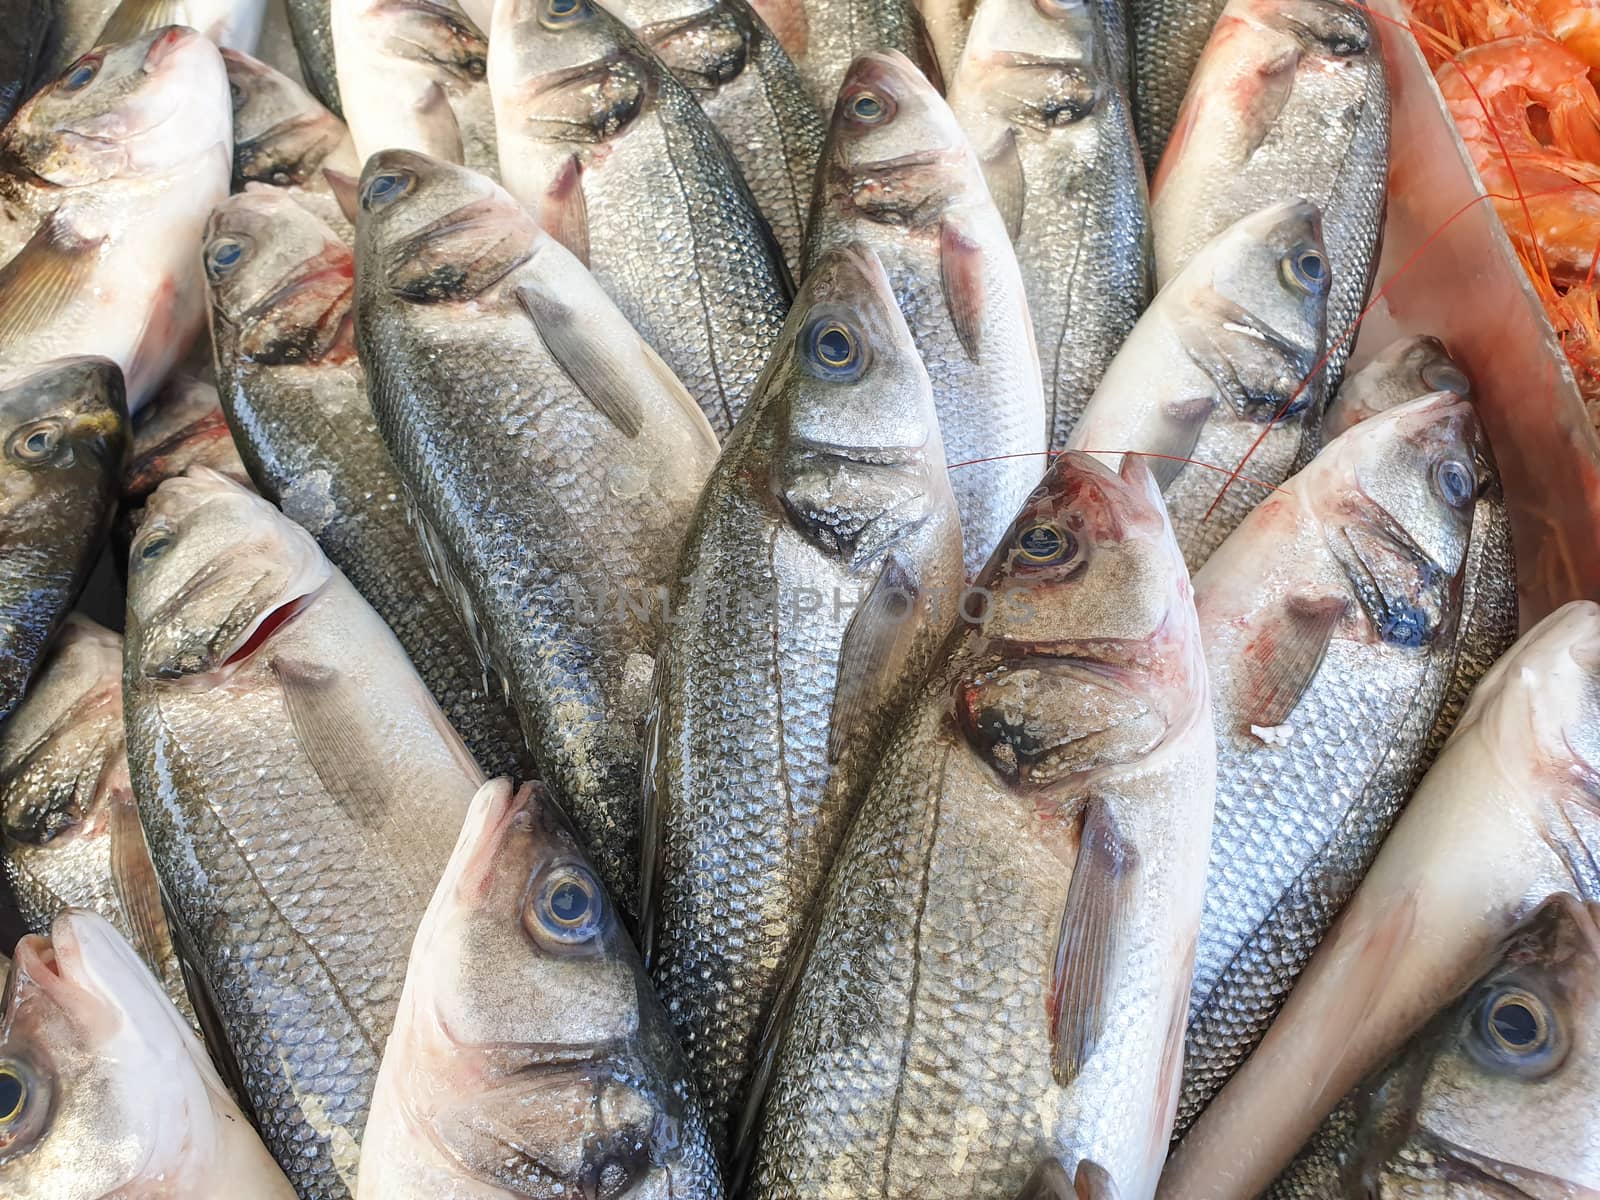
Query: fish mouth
point(1504, 1181)
point(1404, 593)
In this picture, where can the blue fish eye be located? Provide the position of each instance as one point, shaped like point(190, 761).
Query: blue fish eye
point(80, 73)
point(223, 255)
point(564, 12)
point(13, 1094)
point(833, 350)
point(1046, 543)
point(386, 188)
point(867, 107)
point(567, 905)
point(1307, 270)
point(1517, 1030)
point(155, 546)
point(1457, 482)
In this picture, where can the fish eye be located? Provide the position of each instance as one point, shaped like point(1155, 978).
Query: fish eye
point(13, 1095)
point(558, 13)
point(386, 187)
point(36, 443)
point(869, 108)
point(154, 546)
point(1306, 270)
point(80, 73)
point(1446, 377)
point(223, 255)
point(1045, 543)
point(476, 67)
point(567, 905)
point(1456, 481)
point(1517, 1029)
point(833, 350)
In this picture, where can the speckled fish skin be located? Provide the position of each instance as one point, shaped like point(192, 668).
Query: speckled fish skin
point(119, 1096)
point(104, 193)
point(1037, 94)
point(63, 776)
point(530, 1057)
point(311, 25)
point(1331, 619)
point(788, 658)
point(1291, 100)
point(1166, 40)
point(907, 184)
point(282, 286)
point(63, 437)
point(554, 460)
point(738, 73)
point(1503, 819)
point(1493, 1098)
point(1038, 822)
point(613, 157)
point(1216, 376)
point(295, 779)
point(412, 75)
point(1401, 371)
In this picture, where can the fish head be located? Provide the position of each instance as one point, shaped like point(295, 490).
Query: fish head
point(895, 153)
point(435, 33)
point(1402, 370)
point(101, 1083)
point(280, 134)
point(280, 281)
point(1039, 64)
point(1318, 32)
point(1396, 496)
point(704, 43)
point(136, 108)
point(522, 972)
point(214, 573)
point(429, 231)
point(63, 428)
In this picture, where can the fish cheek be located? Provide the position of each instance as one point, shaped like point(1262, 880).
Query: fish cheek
point(600, 105)
point(709, 54)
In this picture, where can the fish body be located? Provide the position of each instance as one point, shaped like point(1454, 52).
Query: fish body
point(1037, 93)
point(1290, 100)
point(800, 628)
point(63, 438)
point(615, 159)
point(1217, 375)
point(1492, 1098)
point(282, 285)
point(117, 1095)
point(232, 23)
point(1167, 38)
point(554, 462)
point(1000, 970)
point(301, 793)
point(26, 27)
point(823, 37)
point(1504, 819)
point(311, 27)
point(112, 170)
point(1403, 370)
point(899, 176)
point(530, 1057)
point(950, 24)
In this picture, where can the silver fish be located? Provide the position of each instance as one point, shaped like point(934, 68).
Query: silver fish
point(950, 24)
point(301, 792)
point(1403, 370)
point(232, 23)
point(823, 37)
point(1001, 967)
point(311, 26)
point(1168, 37)
point(799, 630)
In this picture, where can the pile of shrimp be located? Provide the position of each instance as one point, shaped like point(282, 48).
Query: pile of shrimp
point(1519, 77)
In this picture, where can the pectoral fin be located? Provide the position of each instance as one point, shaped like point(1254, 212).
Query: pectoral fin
point(437, 125)
point(564, 213)
point(1093, 1182)
point(1048, 1182)
point(325, 709)
point(961, 277)
point(1002, 168)
point(38, 284)
point(346, 192)
point(873, 651)
point(1089, 945)
point(598, 373)
point(1280, 664)
point(133, 877)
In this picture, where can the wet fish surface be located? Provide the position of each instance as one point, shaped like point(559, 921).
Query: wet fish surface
point(1037, 93)
point(1403, 370)
point(301, 792)
point(1002, 840)
point(232, 23)
point(531, 1057)
point(1167, 38)
point(615, 159)
point(554, 461)
point(899, 176)
point(311, 26)
point(799, 630)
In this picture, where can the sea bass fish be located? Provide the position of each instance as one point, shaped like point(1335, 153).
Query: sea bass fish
point(232, 23)
point(1037, 93)
point(63, 437)
point(615, 159)
point(1403, 370)
point(1504, 819)
point(1290, 100)
point(72, 837)
point(282, 285)
point(1493, 1098)
point(104, 1089)
point(899, 176)
point(530, 1057)
point(1217, 376)
point(301, 792)
point(799, 631)
point(1001, 968)
point(103, 194)
point(1168, 37)
point(753, 95)
point(554, 460)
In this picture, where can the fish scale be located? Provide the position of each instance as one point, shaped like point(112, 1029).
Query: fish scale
point(1166, 38)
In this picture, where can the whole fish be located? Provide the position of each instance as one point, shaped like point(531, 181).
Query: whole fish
point(285, 139)
point(554, 461)
point(26, 28)
point(71, 831)
point(1403, 370)
point(1001, 967)
point(1290, 100)
point(1038, 95)
point(1494, 1097)
point(800, 629)
point(311, 26)
point(281, 285)
point(63, 437)
point(108, 175)
point(753, 95)
point(1167, 38)
point(1330, 619)
point(232, 23)
point(899, 176)
point(1218, 375)
point(413, 75)
point(530, 1057)
point(301, 792)
point(104, 1089)
point(1504, 819)
point(616, 160)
